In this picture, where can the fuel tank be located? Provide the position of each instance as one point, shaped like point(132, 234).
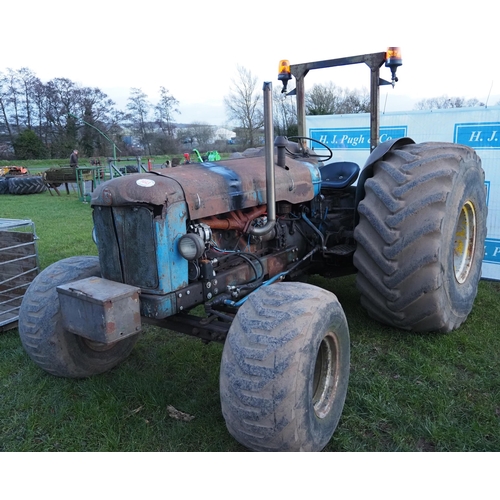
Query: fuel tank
point(212, 188)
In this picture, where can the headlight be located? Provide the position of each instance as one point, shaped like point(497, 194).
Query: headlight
point(191, 246)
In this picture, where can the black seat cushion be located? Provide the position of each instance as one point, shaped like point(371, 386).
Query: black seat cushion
point(339, 174)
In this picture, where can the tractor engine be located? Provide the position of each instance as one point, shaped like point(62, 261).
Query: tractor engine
point(192, 235)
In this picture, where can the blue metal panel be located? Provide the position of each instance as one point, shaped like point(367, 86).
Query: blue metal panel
point(172, 267)
point(158, 306)
point(315, 177)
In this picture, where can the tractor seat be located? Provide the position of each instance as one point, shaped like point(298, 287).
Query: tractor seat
point(338, 174)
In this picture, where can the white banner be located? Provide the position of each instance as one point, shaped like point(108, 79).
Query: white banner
point(349, 138)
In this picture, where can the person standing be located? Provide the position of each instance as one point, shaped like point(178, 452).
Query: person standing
point(73, 159)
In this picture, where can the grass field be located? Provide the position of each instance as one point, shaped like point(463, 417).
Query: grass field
point(407, 392)
point(37, 166)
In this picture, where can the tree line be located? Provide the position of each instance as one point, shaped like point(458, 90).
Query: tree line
point(243, 105)
point(40, 120)
point(48, 120)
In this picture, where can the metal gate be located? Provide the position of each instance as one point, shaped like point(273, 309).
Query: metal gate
point(18, 266)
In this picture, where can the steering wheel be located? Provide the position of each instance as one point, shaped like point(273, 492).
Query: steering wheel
point(326, 156)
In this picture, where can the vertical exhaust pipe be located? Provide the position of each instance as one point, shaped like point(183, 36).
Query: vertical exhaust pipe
point(269, 151)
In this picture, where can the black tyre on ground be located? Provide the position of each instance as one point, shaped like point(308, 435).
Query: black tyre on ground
point(420, 237)
point(54, 349)
point(285, 369)
point(129, 169)
point(4, 185)
point(29, 184)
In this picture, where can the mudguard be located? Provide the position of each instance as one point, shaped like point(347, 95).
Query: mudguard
point(377, 154)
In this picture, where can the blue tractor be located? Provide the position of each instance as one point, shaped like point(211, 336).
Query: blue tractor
point(237, 236)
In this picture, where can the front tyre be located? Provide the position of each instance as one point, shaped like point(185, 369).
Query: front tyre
point(285, 369)
point(420, 237)
point(48, 344)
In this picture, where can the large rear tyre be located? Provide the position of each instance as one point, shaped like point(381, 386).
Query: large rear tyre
point(285, 369)
point(26, 185)
point(420, 237)
point(48, 344)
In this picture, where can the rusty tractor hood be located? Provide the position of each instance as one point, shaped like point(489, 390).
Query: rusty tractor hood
point(212, 188)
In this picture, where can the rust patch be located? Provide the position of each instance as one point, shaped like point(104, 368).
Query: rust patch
point(229, 185)
point(210, 188)
point(138, 188)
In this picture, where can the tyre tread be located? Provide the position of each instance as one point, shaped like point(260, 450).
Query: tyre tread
point(26, 185)
point(41, 332)
point(270, 338)
point(398, 235)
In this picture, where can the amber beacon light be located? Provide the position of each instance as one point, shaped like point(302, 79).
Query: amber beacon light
point(284, 73)
point(393, 60)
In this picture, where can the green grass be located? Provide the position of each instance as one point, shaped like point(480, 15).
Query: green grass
point(422, 392)
point(62, 223)
point(407, 392)
point(37, 166)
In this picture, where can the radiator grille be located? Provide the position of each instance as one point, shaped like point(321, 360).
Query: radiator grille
point(127, 245)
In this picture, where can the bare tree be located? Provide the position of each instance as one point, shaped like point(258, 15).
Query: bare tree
point(355, 101)
point(322, 99)
point(284, 114)
point(14, 97)
point(25, 103)
point(29, 83)
point(203, 133)
point(4, 105)
point(51, 110)
point(66, 95)
point(243, 105)
point(63, 100)
point(139, 108)
point(445, 102)
point(17, 88)
point(115, 129)
point(330, 99)
point(96, 110)
point(165, 109)
point(39, 101)
point(197, 134)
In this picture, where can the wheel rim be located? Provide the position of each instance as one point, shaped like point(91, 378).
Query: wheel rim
point(465, 242)
point(325, 375)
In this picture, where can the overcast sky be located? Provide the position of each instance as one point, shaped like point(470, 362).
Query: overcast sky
point(192, 48)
